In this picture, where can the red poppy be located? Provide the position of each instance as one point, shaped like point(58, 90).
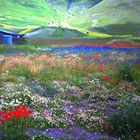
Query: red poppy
point(96, 57)
point(23, 108)
point(30, 112)
point(105, 77)
point(1, 113)
point(5, 111)
point(115, 81)
point(101, 68)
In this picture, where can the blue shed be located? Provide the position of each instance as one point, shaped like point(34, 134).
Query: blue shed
point(7, 39)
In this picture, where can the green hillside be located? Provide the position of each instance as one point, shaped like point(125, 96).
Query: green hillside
point(117, 12)
point(25, 13)
point(95, 17)
point(119, 17)
point(122, 14)
point(52, 32)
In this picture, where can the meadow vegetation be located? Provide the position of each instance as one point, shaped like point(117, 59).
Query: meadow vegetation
point(67, 92)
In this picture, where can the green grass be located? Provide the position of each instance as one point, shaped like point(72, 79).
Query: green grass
point(59, 73)
point(5, 49)
point(21, 70)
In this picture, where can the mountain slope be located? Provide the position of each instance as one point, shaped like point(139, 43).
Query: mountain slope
point(22, 13)
point(120, 13)
point(73, 5)
point(117, 11)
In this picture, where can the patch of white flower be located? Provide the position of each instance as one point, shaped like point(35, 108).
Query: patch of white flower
point(64, 87)
point(2, 59)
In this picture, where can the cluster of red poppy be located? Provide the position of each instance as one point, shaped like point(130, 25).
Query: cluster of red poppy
point(19, 112)
point(116, 44)
point(101, 69)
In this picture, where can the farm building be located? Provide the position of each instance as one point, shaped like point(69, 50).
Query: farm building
point(9, 38)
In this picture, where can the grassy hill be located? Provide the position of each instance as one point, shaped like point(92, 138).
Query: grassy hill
point(118, 17)
point(117, 12)
point(111, 12)
point(22, 14)
point(54, 32)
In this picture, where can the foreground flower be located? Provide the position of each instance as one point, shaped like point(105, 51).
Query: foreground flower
point(19, 112)
point(16, 122)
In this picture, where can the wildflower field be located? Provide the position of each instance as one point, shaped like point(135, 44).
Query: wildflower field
point(82, 92)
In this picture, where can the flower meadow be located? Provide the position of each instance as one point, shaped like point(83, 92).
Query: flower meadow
point(70, 96)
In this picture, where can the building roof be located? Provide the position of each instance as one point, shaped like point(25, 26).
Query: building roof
point(9, 32)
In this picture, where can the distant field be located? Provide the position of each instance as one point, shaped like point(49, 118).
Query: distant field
point(68, 41)
point(74, 41)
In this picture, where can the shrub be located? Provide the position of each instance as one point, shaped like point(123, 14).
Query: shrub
point(126, 122)
point(125, 73)
point(136, 76)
